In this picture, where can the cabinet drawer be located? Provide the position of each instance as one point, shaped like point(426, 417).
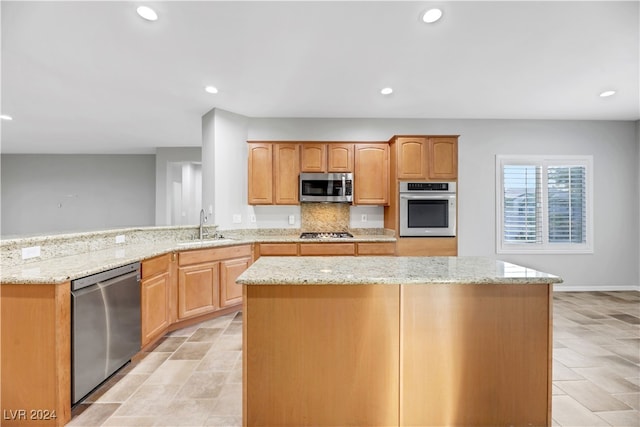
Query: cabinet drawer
point(377, 248)
point(327, 249)
point(213, 254)
point(157, 265)
point(278, 249)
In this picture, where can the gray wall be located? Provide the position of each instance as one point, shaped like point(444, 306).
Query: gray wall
point(43, 193)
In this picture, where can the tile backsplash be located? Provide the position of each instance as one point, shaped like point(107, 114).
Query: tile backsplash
point(324, 216)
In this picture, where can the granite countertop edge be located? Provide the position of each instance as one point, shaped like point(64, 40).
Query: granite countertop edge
point(63, 269)
point(377, 270)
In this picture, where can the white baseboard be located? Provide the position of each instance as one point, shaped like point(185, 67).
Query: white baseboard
point(583, 288)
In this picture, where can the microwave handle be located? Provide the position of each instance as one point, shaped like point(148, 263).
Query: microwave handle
point(343, 190)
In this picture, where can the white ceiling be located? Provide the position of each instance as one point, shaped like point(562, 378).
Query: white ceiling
point(93, 77)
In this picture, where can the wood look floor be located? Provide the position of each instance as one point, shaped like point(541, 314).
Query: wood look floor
point(194, 376)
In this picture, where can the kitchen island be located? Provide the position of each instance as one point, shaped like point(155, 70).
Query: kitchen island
point(396, 341)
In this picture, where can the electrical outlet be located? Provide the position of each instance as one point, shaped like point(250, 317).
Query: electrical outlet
point(31, 252)
point(252, 218)
point(292, 219)
point(120, 238)
point(237, 218)
point(364, 218)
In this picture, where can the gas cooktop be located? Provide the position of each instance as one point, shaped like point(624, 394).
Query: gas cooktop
point(326, 235)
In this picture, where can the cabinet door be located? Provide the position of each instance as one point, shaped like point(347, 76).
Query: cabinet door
point(230, 291)
point(313, 158)
point(443, 158)
point(340, 158)
point(155, 306)
point(198, 289)
point(286, 173)
point(260, 174)
point(412, 157)
point(371, 174)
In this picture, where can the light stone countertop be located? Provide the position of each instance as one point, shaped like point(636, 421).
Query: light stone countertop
point(389, 271)
point(64, 268)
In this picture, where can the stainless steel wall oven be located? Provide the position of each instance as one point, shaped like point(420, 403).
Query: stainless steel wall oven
point(427, 209)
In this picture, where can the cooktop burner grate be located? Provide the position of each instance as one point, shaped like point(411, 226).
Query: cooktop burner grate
point(326, 235)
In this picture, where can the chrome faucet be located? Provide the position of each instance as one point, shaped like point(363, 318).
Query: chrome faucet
point(203, 219)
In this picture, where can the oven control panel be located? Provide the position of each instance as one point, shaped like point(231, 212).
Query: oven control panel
point(447, 187)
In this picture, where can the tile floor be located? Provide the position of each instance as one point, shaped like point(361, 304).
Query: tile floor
point(194, 376)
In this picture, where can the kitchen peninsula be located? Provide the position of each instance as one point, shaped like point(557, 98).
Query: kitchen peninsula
point(396, 341)
point(183, 281)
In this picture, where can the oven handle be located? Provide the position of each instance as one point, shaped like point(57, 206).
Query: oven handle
point(426, 197)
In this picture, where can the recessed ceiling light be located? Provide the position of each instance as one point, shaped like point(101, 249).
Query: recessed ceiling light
point(5, 117)
point(386, 91)
point(607, 93)
point(211, 89)
point(147, 13)
point(432, 15)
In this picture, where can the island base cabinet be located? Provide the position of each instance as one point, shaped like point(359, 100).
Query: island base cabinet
point(321, 355)
point(397, 355)
point(475, 355)
point(36, 350)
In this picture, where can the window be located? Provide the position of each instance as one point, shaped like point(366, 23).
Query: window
point(544, 204)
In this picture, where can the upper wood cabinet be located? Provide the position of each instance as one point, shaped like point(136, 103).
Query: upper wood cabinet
point(339, 157)
point(371, 174)
point(331, 157)
point(427, 157)
point(273, 173)
point(412, 162)
point(286, 172)
point(443, 158)
point(313, 158)
point(260, 173)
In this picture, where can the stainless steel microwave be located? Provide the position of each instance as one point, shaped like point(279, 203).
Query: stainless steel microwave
point(326, 187)
point(427, 209)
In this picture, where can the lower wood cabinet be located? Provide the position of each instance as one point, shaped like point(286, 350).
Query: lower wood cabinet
point(376, 248)
point(276, 249)
point(155, 297)
point(198, 289)
point(330, 249)
point(207, 279)
point(230, 291)
point(326, 249)
point(155, 306)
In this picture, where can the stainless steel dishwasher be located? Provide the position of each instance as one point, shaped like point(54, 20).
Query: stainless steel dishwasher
point(105, 326)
